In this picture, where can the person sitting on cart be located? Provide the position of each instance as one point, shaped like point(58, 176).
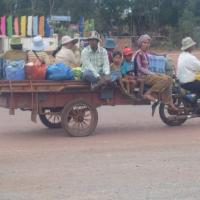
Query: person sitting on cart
point(127, 65)
point(188, 67)
point(110, 45)
point(125, 84)
point(95, 63)
point(16, 52)
point(127, 69)
point(160, 85)
point(37, 51)
point(68, 53)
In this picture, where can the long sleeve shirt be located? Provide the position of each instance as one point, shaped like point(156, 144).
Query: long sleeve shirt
point(188, 66)
point(96, 61)
point(142, 63)
point(68, 57)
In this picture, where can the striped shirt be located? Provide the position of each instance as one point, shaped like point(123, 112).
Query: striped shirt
point(96, 61)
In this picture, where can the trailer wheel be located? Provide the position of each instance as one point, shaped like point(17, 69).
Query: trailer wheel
point(79, 118)
point(51, 117)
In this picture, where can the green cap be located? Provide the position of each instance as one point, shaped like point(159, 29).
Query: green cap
point(15, 40)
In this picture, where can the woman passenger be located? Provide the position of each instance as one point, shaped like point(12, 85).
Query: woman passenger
point(160, 85)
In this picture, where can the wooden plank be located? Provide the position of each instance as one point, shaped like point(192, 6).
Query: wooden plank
point(40, 86)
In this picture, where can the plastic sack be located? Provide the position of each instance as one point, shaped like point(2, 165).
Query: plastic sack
point(77, 73)
point(59, 71)
point(157, 64)
point(35, 71)
point(14, 70)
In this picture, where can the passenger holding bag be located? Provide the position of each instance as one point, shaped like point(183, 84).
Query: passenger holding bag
point(38, 60)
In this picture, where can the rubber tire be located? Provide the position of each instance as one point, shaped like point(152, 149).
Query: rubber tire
point(47, 123)
point(166, 120)
point(66, 111)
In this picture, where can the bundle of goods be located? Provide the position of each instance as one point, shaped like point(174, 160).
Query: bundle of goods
point(157, 64)
point(14, 70)
point(59, 71)
point(35, 70)
point(77, 73)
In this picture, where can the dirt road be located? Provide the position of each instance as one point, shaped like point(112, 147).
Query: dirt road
point(131, 156)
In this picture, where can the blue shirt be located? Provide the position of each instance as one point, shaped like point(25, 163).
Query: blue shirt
point(126, 67)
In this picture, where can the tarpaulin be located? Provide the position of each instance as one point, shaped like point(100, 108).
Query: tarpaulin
point(41, 26)
point(23, 25)
point(29, 25)
point(3, 25)
point(9, 26)
point(16, 26)
point(35, 25)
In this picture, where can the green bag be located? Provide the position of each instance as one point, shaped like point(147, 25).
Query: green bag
point(77, 72)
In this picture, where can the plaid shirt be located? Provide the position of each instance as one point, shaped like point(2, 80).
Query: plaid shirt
point(142, 63)
point(96, 61)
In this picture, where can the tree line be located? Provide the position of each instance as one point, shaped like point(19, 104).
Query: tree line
point(173, 19)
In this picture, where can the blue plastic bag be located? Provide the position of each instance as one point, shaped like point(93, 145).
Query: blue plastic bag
point(157, 64)
point(14, 70)
point(59, 71)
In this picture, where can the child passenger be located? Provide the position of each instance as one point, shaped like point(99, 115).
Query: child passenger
point(115, 65)
point(127, 84)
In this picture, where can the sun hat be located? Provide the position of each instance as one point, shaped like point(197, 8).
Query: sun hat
point(94, 35)
point(109, 43)
point(37, 44)
point(187, 43)
point(67, 39)
point(127, 51)
point(15, 40)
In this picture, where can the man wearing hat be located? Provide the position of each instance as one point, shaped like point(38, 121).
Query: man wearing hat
point(188, 66)
point(95, 62)
point(16, 52)
point(68, 52)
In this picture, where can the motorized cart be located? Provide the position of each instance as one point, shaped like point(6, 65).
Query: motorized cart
point(67, 104)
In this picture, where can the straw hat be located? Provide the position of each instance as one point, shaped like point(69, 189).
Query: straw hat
point(15, 40)
point(187, 43)
point(67, 39)
point(38, 44)
point(94, 35)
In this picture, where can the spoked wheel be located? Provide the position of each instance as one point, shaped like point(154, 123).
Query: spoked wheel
point(170, 118)
point(79, 118)
point(51, 117)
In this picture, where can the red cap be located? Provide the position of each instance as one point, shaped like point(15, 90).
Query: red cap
point(127, 51)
